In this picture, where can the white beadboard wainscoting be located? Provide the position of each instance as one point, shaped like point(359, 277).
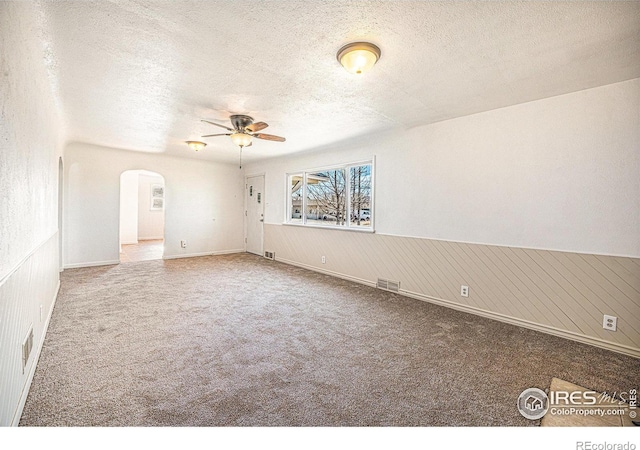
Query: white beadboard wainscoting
point(27, 296)
point(560, 293)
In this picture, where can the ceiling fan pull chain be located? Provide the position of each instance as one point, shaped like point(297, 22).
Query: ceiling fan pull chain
point(241, 156)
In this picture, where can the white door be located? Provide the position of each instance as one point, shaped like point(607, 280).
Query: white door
point(254, 213)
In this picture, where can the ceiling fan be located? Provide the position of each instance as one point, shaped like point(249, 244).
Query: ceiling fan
point(243, 131)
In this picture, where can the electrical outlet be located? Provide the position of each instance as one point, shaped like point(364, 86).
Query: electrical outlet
point(609, 323)
point(183, 243)
point(464, 291)
point(324, 259)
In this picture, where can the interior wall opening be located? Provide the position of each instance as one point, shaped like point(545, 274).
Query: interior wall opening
point(141, 216)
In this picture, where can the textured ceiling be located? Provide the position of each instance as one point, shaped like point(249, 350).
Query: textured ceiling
point(141, 74)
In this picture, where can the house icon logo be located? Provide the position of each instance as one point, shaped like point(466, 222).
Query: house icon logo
point(533, 403)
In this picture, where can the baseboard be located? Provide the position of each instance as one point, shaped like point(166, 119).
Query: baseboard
point(128, 242)
point(595, 342)
point(91, 264)
point(228, 252)
point(151, 238)
point(25, 390)
point(328, 272)
point(194, 255)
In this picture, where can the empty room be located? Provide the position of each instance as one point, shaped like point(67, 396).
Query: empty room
point(319, 214)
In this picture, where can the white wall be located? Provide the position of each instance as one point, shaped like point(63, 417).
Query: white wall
point(129, 207)
point(150, 222)
point(560, 176)
point(561, 173)
point(203, 203)
point(30, 146)
point(29, 138)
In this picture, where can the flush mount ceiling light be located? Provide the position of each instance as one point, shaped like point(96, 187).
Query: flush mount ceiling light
point(358, 57)
point(196, 145)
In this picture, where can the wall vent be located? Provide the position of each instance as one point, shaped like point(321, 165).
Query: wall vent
point(27, 346)
point(393, 286)
point(270, 255)
point(388, 285)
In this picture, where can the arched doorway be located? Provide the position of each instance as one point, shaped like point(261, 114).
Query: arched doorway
point(141, 216)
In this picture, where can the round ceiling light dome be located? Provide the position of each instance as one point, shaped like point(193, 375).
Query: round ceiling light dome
point(241, 139)
point(196, 145)
point(358, 57)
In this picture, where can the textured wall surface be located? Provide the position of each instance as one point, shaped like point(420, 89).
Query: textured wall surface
point(557, 174)
point(29, 151)
point(203, 203)
point(29, 136)
point(514, 202)
point(129, 207)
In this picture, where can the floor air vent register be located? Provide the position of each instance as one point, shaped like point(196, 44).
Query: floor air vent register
point(27, 346)
point(388, 285)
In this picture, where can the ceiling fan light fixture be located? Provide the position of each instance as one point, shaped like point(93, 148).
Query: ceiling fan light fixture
point(196, 145)
point(241, 139)
point(358, 57)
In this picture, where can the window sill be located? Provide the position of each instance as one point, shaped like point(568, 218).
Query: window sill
point(329, 227)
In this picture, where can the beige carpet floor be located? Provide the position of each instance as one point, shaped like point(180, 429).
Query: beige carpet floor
point(240, 340)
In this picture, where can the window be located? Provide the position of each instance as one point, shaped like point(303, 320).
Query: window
point(295, 198)
point(360, 195)
point(337, 197)
point(326, 197)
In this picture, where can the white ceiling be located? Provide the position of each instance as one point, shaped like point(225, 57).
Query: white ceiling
point(141, 74)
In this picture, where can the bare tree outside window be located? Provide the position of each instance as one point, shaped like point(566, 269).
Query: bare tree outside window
point(326, 197)
point(340, 197)
point(360, 187)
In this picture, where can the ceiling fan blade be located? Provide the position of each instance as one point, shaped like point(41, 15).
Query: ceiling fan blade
point(218, 125)
point(257, 126)
point(221, 134)
point(269, 137)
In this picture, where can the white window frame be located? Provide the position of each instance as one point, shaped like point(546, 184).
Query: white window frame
point(347, 167)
